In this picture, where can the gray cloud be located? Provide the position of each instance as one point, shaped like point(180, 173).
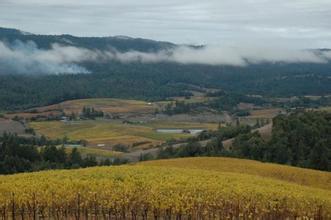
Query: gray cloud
point(296, 23)
point(26, 58)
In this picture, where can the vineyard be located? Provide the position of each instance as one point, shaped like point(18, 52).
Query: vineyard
point(151, 191)
point(306, 177)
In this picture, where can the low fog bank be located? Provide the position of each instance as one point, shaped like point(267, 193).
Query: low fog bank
point(27, 58)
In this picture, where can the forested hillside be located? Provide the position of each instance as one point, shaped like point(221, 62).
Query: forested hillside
point(141, 80)
point(159, 81)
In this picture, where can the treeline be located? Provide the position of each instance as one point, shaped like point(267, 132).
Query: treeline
point(19, 154)
point(159, 81)
point(181, 107)
point(301, 139)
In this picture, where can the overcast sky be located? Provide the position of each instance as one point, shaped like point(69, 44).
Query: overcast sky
point(297, 23)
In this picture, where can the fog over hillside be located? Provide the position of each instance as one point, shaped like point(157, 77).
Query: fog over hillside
point(27, 57)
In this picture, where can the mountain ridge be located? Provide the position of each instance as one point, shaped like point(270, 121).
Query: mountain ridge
point(118, 42)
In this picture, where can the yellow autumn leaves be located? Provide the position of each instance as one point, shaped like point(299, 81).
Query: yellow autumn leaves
point(144, 192)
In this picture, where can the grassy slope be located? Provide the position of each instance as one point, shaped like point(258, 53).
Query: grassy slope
point(89, 151)
point(110, 105)
point(313, 178)
point(105, 104)
point(177, 183)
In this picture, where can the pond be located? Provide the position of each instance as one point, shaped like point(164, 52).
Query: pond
point(193, 131)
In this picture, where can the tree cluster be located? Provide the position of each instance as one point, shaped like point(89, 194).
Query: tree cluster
point(301, 139)
point(91, 113)
point(22, 155)
point(179, 107)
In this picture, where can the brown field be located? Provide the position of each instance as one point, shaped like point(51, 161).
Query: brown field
point(10, 126)
point(29, 115)
point(265, 113)
point(107, 105)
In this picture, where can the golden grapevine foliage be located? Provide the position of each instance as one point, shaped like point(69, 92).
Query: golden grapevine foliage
point(131, 192)
point(307, 177)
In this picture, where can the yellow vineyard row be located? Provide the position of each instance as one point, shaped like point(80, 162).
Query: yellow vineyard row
point(131, 192)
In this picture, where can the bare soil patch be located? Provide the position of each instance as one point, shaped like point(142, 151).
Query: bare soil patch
point(10, 126)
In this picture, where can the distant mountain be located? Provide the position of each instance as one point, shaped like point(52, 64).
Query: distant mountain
point(120, 43)
point(10, 32)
